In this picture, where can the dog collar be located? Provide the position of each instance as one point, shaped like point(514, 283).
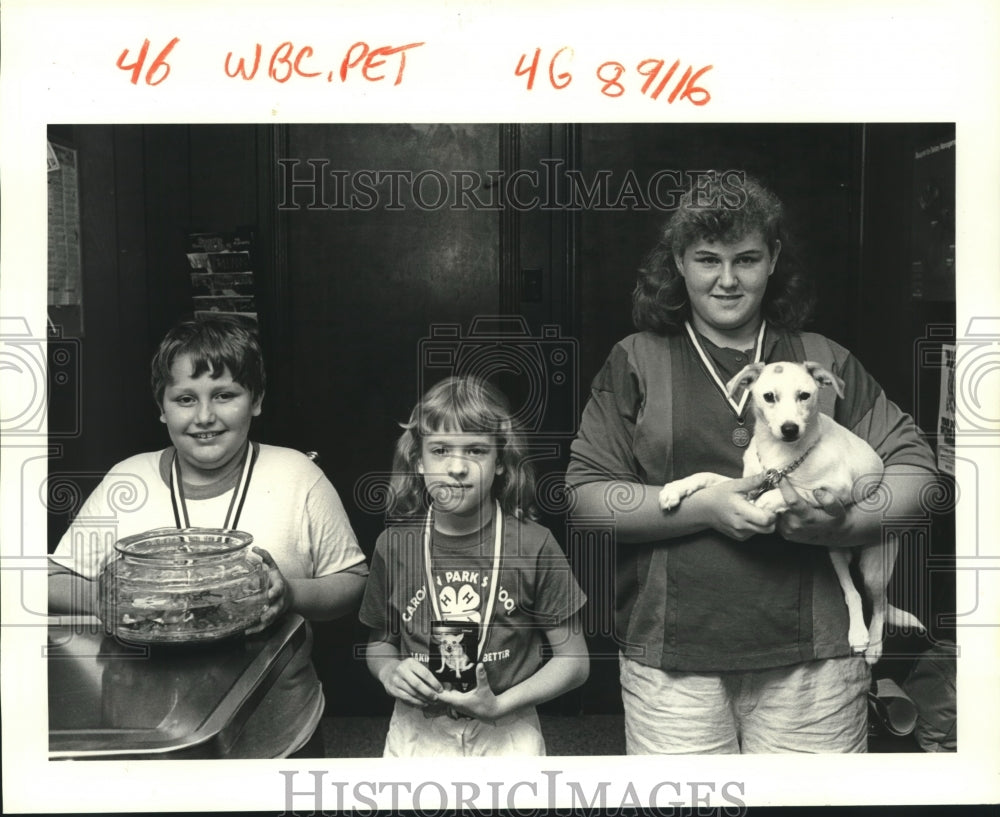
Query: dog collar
point(774, 475)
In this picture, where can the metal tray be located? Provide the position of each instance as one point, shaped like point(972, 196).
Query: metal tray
point(113, 700)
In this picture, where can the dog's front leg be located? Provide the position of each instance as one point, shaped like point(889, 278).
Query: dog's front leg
point(673, 492)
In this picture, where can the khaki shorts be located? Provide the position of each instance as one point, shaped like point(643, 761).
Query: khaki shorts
point(413, 734)
point(819, 706)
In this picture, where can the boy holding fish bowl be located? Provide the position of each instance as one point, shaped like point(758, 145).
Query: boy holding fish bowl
point(182, 512)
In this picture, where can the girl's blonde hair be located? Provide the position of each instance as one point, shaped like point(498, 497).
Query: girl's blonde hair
point(462, 405)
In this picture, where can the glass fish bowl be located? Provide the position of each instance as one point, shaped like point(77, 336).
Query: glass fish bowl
point(187, 585)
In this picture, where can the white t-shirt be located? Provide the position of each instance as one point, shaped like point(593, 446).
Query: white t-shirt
point(291, 509)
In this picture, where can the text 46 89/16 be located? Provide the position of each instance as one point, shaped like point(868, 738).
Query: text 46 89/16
point(656, 76)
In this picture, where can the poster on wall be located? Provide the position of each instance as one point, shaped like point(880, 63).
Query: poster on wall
point(222, 276)
point(932, 261)
point(946, 413)
point(65, 297)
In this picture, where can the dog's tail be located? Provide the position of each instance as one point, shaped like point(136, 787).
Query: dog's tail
point(895, 617)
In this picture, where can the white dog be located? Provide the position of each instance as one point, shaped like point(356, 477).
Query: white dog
point(793, 440)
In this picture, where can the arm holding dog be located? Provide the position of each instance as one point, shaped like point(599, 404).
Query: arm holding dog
point(605, 475)
point(722, 507)
point(834, 525)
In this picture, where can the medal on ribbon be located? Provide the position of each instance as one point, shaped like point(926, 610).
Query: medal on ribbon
point(740, 435)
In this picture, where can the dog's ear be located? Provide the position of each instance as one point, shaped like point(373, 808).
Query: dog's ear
point(745, 378)
point(824, 377)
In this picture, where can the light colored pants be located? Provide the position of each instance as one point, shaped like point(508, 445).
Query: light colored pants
point(819, 706)
point(413, 734)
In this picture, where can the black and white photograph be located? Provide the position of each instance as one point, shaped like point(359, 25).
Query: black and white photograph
point(339, 443)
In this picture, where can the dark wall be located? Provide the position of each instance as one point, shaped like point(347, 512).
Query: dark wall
point(902, 327)
point(117, 415)
point(890, 318)
point(347, 296)
point(365, 287)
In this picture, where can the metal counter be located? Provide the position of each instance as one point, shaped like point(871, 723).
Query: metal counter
point(113, 700)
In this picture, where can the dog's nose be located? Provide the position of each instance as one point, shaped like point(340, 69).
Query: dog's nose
point(789, 431)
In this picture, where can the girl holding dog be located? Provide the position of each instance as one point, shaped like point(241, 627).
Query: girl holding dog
point(733, 632)
point(465, 590)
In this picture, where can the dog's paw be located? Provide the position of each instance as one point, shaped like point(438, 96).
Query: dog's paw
point(857, 637)
point(772, 501)
point(671, 496)
point(873, 653)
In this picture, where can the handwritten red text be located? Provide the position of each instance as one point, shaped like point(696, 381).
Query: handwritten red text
point(158, 71)
point(282, 63)
point(371, 60)
point(650, 76)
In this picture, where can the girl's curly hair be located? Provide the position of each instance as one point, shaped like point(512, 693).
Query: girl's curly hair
point(725, 207)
